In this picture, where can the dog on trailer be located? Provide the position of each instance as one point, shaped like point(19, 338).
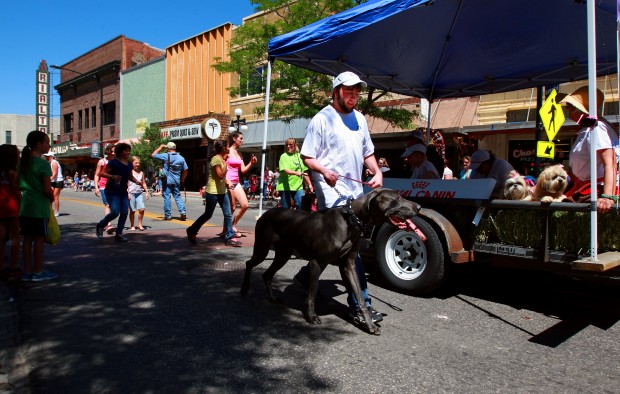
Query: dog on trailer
point(326, 238)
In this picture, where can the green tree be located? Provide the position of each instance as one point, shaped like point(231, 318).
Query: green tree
point(295, 92)
point(147, 143)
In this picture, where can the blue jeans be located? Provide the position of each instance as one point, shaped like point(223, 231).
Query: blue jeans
point(211, 200)
point(176, 193)
point(119, 205)
point(287, 195)
point(304, 277)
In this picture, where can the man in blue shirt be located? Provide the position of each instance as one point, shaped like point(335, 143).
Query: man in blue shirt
point(175, 171)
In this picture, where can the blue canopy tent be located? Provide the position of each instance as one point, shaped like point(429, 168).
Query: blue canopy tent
point(438, 49)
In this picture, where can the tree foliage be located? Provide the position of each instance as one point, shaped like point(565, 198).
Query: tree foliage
point(147, 143)
point(295, 92)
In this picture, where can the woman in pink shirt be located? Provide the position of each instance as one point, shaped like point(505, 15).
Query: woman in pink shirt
point(236, 167)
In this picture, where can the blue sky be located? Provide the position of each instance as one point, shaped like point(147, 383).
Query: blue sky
point(33, 30)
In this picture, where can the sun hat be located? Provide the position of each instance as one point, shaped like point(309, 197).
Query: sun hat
point(580, 99)
point(171, 145)
point(347, 78)
point(414, 148)
point(478, 158)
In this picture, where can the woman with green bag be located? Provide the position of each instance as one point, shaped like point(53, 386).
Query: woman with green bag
point(34, 210)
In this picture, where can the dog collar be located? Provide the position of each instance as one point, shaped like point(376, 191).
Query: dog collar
point(352, 219)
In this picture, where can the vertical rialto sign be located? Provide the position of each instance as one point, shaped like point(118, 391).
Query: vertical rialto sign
point(43, 99)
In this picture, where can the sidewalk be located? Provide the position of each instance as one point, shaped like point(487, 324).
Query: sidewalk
point(12, 371)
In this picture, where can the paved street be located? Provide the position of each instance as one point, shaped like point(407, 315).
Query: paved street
point(157, 315)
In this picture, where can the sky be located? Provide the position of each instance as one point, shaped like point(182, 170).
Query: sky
point(60, 31)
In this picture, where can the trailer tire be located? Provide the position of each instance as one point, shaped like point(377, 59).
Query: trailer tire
point(406, 262)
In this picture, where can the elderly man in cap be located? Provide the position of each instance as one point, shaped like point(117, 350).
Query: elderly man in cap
point(421, 168)
point(484, 165)
point(336, 148)
point(175, 171)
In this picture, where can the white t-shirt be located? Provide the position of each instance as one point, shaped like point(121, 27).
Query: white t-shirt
point(447, 173)
point(340, 149)
point(500, 171)
point(422, 171)
point(579, 159)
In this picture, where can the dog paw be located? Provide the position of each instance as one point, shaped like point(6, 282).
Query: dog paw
point(374, 329)
point(546, 199)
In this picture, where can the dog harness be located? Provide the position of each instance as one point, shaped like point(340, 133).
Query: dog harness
point(352, 219)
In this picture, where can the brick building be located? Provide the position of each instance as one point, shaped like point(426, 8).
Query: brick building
point(90, 99)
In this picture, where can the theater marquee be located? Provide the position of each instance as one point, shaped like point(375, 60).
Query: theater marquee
point(43, 98)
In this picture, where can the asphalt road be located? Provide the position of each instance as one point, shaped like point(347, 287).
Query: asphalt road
point(156, 315)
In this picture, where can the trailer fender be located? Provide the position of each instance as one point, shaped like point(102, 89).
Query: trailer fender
point(453, 240)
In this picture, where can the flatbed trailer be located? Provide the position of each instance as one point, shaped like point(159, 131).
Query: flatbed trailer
point(453, 230)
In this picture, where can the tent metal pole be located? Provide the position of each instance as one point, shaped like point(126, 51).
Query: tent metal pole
point(264, 151)
point(591, 15)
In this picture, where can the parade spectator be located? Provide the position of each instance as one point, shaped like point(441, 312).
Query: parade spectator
point(175, 171)
point(336, 148)
point(447, 172)
point(76, 181)
point(34, 209)
point(100, 182)
point(267, 175)
point(383, 166)
point(236, 168)
point(137, 193)
point(432, 155)
point(10, 197)
point(58, 181)
point(216, 194)
point(118, 171)
point(484, 164)
point(158, 185)
point(253, 186)
point(465, 171)
point(293, 176)
point(415, 156)
point(577, 104)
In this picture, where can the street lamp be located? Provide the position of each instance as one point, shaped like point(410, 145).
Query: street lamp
point(238, 124)
point(99, 87)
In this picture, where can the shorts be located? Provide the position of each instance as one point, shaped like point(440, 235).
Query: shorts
point(103, 197)
point(35, 227)
point(58, 185)
point(136, 202)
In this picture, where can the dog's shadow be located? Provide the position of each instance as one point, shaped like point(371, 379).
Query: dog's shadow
point(294, 296)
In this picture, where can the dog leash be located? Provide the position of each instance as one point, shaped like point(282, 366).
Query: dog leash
point(351, 179)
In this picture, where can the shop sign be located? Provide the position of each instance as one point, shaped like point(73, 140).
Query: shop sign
point(182, 132)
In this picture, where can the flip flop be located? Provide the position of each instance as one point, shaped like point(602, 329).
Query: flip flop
point(141, 229)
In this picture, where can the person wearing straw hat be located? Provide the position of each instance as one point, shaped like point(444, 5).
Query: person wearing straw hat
point(577, 105)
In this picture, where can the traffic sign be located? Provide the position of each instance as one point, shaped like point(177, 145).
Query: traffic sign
point(545, 149)
point(552, 116)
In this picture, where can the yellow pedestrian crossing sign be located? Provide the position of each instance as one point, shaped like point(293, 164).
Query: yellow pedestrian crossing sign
point(545, 149)
point(551, 115)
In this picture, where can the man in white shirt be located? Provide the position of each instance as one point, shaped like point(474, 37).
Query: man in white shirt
point(484, 165)
point(336, 148)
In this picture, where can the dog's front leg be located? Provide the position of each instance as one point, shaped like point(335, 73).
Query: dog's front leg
point(313, 287)
point(347, 271)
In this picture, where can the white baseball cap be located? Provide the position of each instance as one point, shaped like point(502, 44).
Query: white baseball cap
point(171, 145)
point(48, 154)
point(414, 148)
point(348, 78)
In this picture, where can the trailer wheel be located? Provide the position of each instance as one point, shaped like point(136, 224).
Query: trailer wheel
point(408, 263)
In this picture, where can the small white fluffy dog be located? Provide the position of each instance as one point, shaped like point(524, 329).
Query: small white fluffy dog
point(515, 188)
point(551, 185)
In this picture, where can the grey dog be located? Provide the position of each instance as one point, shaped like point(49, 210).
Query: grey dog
point(328, 238)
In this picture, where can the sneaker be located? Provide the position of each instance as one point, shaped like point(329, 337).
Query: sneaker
point(120, 238)
point(191, 237)
point(26, 277)
point(183, 217)
point(233, 242)
point(43, 275)
point(375, 315)
point(167, 218)
point(99, 231)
